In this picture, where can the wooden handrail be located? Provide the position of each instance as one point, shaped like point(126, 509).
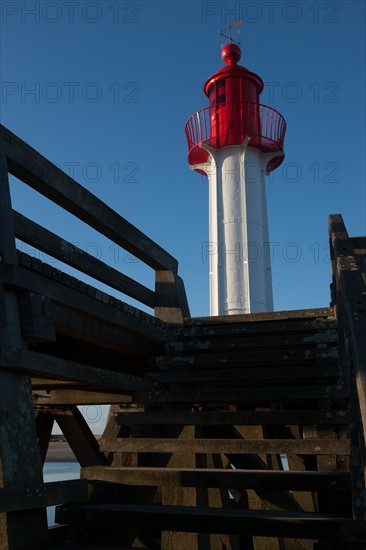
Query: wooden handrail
point(35, 170)
point(349, 294)
point(169, 299)
point(42, 239)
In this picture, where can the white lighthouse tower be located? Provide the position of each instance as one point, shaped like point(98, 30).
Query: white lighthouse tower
point(236, 141)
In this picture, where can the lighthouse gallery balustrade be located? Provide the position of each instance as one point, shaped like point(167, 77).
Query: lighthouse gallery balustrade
point(215, 127)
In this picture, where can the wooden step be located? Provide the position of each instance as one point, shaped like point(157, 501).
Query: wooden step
point(255, 395)
point(228, 446)
point(254, 341)
point(151, 518)
point(243, 375)
point(231, 326)
point(28, 497)
point(264, 357)
point(226, 479)
point(300, 315)
point(232, 418)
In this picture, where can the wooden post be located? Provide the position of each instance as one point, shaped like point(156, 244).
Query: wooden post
point(79, 436)
point(350, 301)
point(180, 496)
point(213, 498)
point(7, 235)
point(20, 458)
point(44, 425)
point(170, 298)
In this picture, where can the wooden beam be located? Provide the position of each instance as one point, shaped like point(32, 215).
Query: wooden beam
point(284, 356)
point(79, 436)
point(251, 328)
point(226, 479)
point(243, 375)
point(227, 446)
point(210, 520)
point(254, 341)
point(43, 494)
point(255, 395)
point(51, 383)
point(295, 314)
point(230, 418)
point(36, 171)
point(75, 295)
point(40, 364)
point(31, 233)
point(100, 332)
point(65, 396)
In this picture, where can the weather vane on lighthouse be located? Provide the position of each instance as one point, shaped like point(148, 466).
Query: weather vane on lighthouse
point(223, 31)
point(236, 141)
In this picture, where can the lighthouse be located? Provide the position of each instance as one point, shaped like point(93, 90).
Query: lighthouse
point(236, 142)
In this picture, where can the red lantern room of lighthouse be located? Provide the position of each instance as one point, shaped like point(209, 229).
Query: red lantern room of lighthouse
point(236, 141)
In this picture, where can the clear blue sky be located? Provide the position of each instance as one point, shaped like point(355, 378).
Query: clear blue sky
point(114, 83)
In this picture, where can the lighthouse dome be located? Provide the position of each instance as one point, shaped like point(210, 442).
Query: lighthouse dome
point(231, 54)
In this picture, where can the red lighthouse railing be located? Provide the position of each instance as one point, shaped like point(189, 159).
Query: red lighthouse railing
point(219, 126)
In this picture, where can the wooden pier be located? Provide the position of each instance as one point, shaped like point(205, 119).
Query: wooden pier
point(225, 433)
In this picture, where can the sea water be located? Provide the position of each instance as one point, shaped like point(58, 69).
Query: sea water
point(59, 471)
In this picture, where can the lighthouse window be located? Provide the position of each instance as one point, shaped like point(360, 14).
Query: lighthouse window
point(212, 94)
point(221, 91)
point(217, 92)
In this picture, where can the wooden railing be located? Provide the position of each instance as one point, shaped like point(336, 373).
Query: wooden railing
point(349, 299)
point(18, 158)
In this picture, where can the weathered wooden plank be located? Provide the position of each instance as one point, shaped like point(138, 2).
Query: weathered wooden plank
point(79, 436)
point(112, 311)
point(40, 364)
point(246, 479)
point(209, 520)
point(26, 497)
point(51, 383)
point(254, 328)
point(242, 375)
point(89, 328)
point(38, 172)
point(257, 395)
point(290, 355)
point(295, 314)
point(85, 396)
point(259, 341)
point(230, 418)
point(225, 446)
point(31, 233)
